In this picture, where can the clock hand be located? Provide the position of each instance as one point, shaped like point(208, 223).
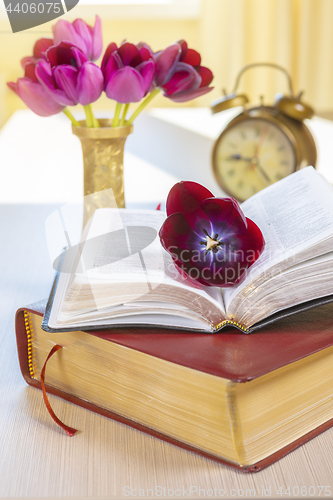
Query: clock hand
point(238, 157)
point(254, 160)
point(264, 174)
point(260, 142)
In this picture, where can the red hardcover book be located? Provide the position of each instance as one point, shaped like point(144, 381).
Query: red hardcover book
point(244, 400)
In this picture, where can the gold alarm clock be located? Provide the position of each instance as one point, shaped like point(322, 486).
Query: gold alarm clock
point(262, 144)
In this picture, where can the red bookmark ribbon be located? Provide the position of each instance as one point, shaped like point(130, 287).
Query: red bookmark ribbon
point(70, 430)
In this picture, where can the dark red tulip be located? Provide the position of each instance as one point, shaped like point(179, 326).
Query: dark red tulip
point(209, 239)
point(39, 51)
point(179, 73)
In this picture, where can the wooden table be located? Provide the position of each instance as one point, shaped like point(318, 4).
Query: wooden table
point(106, 459)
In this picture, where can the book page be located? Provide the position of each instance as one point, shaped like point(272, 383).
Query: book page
point(138, 256)
point(293, 215)
point(123, 247)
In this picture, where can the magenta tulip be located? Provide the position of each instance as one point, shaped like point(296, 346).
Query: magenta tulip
point(179, 73)
point(33, 93)
point(80, 34)
point(69, 77)
point(128, 72)
point(209, 239)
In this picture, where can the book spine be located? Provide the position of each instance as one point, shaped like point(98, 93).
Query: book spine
point(229, 322)
point(30, 341)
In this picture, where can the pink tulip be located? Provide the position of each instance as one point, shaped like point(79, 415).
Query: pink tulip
point(179, 73)
point(33, 93)
point(128, 72)
point(80, 34)
point(69, 77)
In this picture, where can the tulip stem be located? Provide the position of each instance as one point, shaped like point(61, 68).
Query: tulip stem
point(71, 117)
point(123, 118)
point(95, 121)
point(115, 122)
point(89, 116)
point(142, 106)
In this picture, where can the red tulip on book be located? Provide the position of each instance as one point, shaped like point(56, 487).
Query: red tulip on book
point(209, 238)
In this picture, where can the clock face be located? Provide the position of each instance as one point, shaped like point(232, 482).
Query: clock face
point(251, 155)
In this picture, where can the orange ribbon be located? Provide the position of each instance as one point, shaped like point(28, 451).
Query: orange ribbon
point(70, 430)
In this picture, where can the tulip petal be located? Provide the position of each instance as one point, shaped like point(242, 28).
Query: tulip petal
point(41, 47)
point(85, 33)
point(90, 83)
point(192, 57)
point(12, 86)
point(220, 268)
point(166, 62)
point(129, 54)
point(66, 80)
point(113, 64)
point(29, 71)
point(37, 98)
point(125, 85)
point(112, 47)
point(65, 31)
point(28, 60)
point(145, 53)
point(147, 71)
point(186, 197)
point(184, 49)
point(184, 78)
point(206, 76)
point(178, 238)
point(225, 215)
point(97, 40)
point(187, 95)
point(188, 254)
point(252, 243)
point(59, 54)
point(79, 57)
point(45, 77)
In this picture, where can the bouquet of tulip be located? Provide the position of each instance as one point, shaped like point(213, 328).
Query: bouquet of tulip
point(61, 73)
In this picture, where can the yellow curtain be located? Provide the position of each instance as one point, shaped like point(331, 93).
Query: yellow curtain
point(297, 34)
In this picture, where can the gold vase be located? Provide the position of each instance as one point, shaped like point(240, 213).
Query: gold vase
point(103, 155)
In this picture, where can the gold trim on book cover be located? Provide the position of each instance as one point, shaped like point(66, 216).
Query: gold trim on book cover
point(30, 339)
point(232, 323)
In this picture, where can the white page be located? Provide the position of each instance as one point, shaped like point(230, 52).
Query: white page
point(153, 267)
point(293, 214)
point(152, 264)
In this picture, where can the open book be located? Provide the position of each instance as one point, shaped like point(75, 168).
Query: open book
point(120, 274)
